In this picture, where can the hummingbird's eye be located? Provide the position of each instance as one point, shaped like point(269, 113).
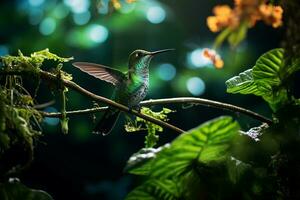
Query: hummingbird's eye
point(137, 55)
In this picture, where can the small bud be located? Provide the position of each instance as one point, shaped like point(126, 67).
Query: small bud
point(64, 125)
point(214, 57)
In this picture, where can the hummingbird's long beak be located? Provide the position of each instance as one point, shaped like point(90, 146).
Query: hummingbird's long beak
point(160, 51)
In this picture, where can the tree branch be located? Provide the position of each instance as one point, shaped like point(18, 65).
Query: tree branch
point(178, 100)
point(209, 103)
point(70, 84)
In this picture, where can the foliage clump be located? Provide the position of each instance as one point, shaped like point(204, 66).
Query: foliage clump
point(30, 63)
point(190, 158)
point(141, 124)
point(268, 79)
point(217, 160)
point(19, 118)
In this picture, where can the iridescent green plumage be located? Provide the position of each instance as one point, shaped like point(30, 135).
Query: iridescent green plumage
point(130, 87)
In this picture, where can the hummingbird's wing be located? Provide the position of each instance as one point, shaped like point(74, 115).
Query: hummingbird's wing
point(102, 72)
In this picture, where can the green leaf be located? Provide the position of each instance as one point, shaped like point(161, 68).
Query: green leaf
point(243, 83)
point(140, 162)
point(208, 143)
point(267, 67)
point(14, 190)
point(264, 79)
point(154, 189)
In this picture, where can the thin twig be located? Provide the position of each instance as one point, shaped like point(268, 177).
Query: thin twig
point(44, 105)
point(74, 112)
point(206, 102)
point(178, 100)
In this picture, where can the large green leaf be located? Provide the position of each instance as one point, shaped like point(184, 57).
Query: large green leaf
point(265, 79)
point(243, 83)
point(208, 143)
point(154, 189)
point(140, 162)
point(267, 68)
point(16, 191)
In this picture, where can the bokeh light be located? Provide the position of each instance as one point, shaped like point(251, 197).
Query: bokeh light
point(47, 26)
point(3, 50)
point(195, 86)
point(51, 121)
point(35, 16)
point(61, 11)
point(166, 71)
point(156, 14)
point(36, 2)
point(97, 33)
point(81, 18)
point(78, 6)
point(196, 58)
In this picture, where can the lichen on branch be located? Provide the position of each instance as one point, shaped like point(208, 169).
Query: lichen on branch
point(19, 119)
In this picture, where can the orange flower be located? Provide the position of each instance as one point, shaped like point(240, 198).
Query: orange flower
point(131, 1)
point(246, 3)
point(218, 63)
point(221, 18)
point(271, 14)
point(223, 14)
point(249, 11)
point(214, 57)
point(212, 23)
point(222, 10)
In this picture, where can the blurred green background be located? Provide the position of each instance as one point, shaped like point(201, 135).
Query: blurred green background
point(82, 165)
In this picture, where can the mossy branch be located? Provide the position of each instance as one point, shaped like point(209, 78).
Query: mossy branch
point(177, 100)
point(70, 84)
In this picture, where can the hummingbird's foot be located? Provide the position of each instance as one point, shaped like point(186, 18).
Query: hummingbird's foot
point(130, 109)
point(136, 107)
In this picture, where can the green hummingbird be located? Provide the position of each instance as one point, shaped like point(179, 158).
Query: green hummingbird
point(130, 87)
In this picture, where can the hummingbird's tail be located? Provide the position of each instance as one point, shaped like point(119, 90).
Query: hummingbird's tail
point(108, 121)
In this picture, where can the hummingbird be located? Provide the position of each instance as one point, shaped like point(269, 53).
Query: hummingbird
point(130, 87)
